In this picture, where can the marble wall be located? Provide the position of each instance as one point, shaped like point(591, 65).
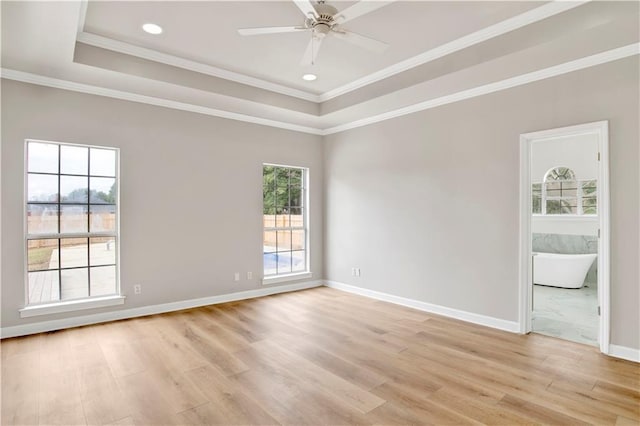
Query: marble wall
point(569, 244)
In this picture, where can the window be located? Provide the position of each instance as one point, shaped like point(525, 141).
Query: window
point(285, 220)
point(71, 222)
point(561, 193)
point(589, 197)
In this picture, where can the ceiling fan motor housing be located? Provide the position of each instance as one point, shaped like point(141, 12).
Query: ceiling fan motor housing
point(325, 21)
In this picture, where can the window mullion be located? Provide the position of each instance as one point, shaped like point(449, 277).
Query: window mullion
point(543, 197)
point(579, 197)
point(88, 222)
point(70, 235)
point(59, 223)
point(282, 228)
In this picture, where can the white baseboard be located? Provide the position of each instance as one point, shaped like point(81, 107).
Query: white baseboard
point(624, 352)
point(492, 322)
point(59, 324)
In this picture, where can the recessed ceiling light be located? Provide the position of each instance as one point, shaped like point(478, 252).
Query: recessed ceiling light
point(152, 29)
point(309, 77)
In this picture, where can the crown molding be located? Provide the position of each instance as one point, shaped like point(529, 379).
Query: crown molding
point(553, 71)
point(556, 70)
point(550, 9)
point(164, 58)
point(41, 80)
point(527, 18)
point(82, 15)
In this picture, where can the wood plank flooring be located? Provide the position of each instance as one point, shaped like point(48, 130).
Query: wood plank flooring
point(318, 356)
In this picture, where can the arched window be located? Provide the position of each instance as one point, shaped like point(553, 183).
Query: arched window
point(559, 174)
point(561, 193)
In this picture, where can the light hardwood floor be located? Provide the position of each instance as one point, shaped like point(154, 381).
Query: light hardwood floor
point(318, 356)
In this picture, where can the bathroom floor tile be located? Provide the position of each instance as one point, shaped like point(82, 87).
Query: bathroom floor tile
point(565, 313)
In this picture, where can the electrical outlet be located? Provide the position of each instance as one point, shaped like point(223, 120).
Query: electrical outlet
point(353, 272)
point(249, 275)
point(137, 289)
point(357, 272)
point(236, 276)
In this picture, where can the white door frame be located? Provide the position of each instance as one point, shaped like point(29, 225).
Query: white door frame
point(601, 129)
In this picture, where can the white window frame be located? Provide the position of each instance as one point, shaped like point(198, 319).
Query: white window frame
point(293, 276)
point(117, 298)
point(579, 197)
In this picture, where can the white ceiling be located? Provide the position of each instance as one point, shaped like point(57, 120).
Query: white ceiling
point(441, 52)
point(206, 32)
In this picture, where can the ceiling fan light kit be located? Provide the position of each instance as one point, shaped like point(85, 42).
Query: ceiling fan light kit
point(322, 20)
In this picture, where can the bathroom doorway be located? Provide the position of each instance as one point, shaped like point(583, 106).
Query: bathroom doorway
point(564, 234)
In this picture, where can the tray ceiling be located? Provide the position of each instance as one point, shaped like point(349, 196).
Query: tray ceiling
point(206, 32)
point(440, 52)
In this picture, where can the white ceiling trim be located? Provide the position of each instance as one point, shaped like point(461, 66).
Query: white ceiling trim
point(556, 70)
point(550, 9)
point(164, 58)
point(553, 71)
point(83, 15)
point(503, 27)
point(135, 97)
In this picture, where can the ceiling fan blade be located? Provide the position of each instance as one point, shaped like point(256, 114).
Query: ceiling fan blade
point(269, 30)
point(359, 9)
point(306, 7)
point(310, 55)
point(361, 41)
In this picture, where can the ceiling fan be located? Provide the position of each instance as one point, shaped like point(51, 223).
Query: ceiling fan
point(322, 20)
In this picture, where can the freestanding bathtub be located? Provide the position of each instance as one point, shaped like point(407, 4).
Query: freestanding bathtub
point(561, 270)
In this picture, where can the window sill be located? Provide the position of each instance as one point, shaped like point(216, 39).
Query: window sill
point(284, 278)
point(70, 306)
point(586, 217)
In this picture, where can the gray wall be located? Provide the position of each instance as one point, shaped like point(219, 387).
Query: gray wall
point(426, 205)
point(191, 192)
